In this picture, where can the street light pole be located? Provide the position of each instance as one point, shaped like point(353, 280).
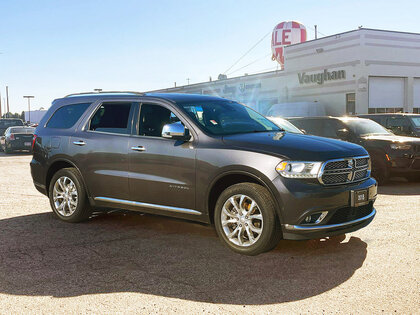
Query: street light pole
point(29, 105)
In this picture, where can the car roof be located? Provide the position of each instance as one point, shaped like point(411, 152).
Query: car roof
point(174, 97)
point(391, 114)
point(326, 117)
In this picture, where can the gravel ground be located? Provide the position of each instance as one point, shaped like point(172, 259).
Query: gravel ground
point(128, 262)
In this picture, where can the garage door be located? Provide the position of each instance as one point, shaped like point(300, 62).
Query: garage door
point(416, 95)
point(386, 92)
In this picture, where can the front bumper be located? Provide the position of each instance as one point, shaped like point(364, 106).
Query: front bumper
point(301, 232)
point(401, 163)
point(300, 199)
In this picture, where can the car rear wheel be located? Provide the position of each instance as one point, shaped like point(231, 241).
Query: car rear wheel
point(415, 178)
point(68, 198)
point(7, 148)
point(246, 220)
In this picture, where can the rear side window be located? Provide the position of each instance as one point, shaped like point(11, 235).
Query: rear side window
point(66, 116)
point(10, 122)
point(112, 117)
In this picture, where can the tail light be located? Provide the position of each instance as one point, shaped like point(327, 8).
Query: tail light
point(12, 136)
point(33, 140)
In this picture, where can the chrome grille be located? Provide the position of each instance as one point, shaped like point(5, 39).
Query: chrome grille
point(345, 171)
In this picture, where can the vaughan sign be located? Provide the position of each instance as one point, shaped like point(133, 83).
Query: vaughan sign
point(321, 77)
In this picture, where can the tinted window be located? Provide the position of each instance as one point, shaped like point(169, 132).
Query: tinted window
point(10, 122)
point(397, 122)
point(65, 117)
point(416, 121)
point(321, 127)
point(365, 127)
point(153, 118)
point(227, 117)
point(311, 126)
point(112, 117)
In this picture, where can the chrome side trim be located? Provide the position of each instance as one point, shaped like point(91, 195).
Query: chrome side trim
point(326, 227)
point(148, 205)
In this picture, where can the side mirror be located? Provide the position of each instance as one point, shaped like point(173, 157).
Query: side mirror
point(343, 134)
point(176, 131)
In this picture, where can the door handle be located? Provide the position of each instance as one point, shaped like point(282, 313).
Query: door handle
point(79, 143)
point(138, 148)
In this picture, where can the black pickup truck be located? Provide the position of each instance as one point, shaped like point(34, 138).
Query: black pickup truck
point(391, 155)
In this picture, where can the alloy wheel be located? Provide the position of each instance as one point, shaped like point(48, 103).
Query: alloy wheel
point(65, 196)
point(242, 220)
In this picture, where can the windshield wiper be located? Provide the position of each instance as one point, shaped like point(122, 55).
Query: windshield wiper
point(255, 131)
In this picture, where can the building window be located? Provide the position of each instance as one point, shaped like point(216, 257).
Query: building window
point(351, 103)
point(383, 110)
point(416, 110)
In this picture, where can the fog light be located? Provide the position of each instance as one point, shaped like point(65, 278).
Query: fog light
point(315, 218)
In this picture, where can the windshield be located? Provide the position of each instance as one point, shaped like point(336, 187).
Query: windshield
point(227, 117)
point(416, 121)
point(365, 127)
point(285, 124)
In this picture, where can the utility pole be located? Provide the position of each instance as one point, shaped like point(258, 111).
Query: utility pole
point(188, 80)
point(0, 106)
point(29, 105)
point(316, 31)
point(7, 99)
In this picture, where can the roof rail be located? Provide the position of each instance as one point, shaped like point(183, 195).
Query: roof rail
point(105, 92)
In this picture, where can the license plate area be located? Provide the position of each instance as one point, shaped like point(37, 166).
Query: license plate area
point(27, 144)
point(359, 197)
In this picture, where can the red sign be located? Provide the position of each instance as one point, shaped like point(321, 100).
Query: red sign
point(286, 33)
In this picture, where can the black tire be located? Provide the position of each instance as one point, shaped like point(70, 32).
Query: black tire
point(83, 209)
point(380, 170)
point(271, 230)
point(6, 149)
point(414, 178)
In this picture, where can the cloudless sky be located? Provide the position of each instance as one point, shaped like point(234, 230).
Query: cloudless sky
point(52, 48)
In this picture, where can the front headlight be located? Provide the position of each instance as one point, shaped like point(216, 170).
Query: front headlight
point(299, 169)
point(400, 146)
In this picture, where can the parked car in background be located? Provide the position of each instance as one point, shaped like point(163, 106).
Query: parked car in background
point(297, 109)
point(200, 158)
point(17, 139)
point(9, 122)
point(400, 123)
point(391, 155)
point(285, 125)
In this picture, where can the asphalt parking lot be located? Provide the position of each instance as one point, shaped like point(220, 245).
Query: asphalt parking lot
point(128, 262)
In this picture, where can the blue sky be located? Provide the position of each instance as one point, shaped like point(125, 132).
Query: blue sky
point(52, 48)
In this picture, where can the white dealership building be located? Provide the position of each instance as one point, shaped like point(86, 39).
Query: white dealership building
point(360, 71)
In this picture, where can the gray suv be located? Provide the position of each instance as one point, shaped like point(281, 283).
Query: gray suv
point(199, 158)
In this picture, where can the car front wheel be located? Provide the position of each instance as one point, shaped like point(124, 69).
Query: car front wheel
point(246, 220)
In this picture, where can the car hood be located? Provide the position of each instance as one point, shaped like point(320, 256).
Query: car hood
point(393, 138)
point(294, 146)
